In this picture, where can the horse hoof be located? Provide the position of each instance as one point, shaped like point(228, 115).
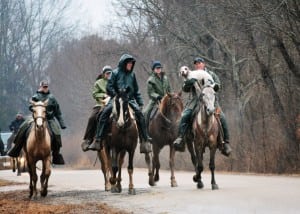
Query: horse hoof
point(214, 186)
point(195, 178)
point(44, 193)
point(151, 182)
point(200, 185)
point(174, 184)
point(131, 192)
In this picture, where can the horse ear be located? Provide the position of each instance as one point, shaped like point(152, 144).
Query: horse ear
point(31, 101)
point(169, 94)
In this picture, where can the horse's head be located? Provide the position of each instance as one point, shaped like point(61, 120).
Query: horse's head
point(207, 97)
point(39, 112)
point(171, 105)
point(121, 112)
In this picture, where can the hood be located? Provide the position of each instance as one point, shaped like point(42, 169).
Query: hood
point(124, 59)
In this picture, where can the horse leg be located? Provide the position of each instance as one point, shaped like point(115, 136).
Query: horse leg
point(105, 168)
point(14, 164)
point(171, 163)
point(156, 164)
point(113, 179)
point(212, 168)
point(150, 171)
point(46, 171)
point(192, 152)
point(18, 166)
point(34, 179)
point(119, 179)
point(30, 177)
point(199, 168)
point(131, 189)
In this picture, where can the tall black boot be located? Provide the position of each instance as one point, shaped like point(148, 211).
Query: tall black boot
point(19, 141)
point(57, 158)
point(226, 149)
point(179, 144)
point(145, 139)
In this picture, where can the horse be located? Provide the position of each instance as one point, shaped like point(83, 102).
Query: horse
point(124, 138)
point(19, 163)
point(38, 147)
point(163, 129)
point(205, 129)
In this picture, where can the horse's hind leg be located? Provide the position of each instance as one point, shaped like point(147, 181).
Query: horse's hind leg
point(212, 169)
point(171, 163)
point(131, 189)
point(45, 177)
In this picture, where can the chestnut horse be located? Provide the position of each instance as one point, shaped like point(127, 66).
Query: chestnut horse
point(124, 137)
point(163, 129)
point(206, 132)
point(38, 147)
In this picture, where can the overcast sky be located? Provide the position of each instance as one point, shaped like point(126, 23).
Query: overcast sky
point(91, 14)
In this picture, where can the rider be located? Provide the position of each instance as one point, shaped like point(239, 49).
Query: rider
point(157, 86)
point(52, 111)
point(123, 77)
point(14, 127)
point(99, 94)
point(186, 119)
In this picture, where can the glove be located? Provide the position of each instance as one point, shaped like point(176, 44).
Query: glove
point(141, 108)
point(63, 127)
point(190, 81)
point(158, 98)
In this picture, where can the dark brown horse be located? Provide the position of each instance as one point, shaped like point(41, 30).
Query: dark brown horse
point(38, 147)
point(163, 129)
point(206, 131)
point(124, 137)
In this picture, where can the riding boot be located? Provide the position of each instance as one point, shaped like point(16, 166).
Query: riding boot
point(179, 144)
point(145, 139)
point(97, 145)
point(85, 145)
point(19, 141)
point(225, 149)
point(57, 158)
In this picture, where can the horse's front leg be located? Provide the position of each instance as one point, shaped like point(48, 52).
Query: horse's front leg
point(115, 169)
point(33, 180)
point(104, 167)
point(214, 185)
point(171, 163)
point(119, 179)
point(199, 167)
point(148, 157)
point(46, 171)
point(131, 189)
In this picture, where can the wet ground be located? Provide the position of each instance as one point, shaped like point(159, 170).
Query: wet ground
point(82, 191)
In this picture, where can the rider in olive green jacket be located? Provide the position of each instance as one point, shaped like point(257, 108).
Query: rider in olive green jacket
point(157, 86)
point(99, 94)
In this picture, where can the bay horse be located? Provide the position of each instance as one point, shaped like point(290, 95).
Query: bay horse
point(206, 132)
point(124, 138)
point(38, 147)
point(163, 129)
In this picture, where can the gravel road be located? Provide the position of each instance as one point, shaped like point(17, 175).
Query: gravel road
point(238, 193)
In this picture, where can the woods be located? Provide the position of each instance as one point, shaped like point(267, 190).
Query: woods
point(253, 46)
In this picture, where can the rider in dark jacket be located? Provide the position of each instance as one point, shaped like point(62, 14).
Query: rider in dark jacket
point(123, 77)
point(52, 112)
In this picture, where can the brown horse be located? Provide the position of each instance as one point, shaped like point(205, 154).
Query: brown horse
point(163, 129)
point(38, 147)
point(124, 136)
point(206, 133)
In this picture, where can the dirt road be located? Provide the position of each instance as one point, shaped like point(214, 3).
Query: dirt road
point(238, 193)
